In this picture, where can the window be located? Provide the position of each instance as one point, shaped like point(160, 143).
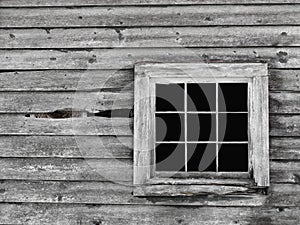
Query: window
point(207, 122)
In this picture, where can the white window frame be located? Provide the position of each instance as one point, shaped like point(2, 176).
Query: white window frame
point(148, 74)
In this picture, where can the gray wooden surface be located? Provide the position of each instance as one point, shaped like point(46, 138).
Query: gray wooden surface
point(55, 52)
point(150, 16)
point(233, 36)
point(129, 214)
point(114, 58)
point(39, 3)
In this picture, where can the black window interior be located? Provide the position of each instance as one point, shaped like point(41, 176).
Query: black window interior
point(201, 127)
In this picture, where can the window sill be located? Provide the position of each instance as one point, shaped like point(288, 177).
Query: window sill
point(171, 187)
point(190, 190)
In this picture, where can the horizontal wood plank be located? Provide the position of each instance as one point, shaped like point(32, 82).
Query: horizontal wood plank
point(67, 80)
point(284, 102)
point(66, 169)
point(126, 58)
point(149, 215)
point(280, 125)
point(20, 124)
point(285, 166)
point(107, 147)
point(66, 146)
point(114, 80)
point(151, 37)
point(279, 194)
point(286, 80)
point(42, 3)
point(288, 125)
point(285, 172)
point(105, 169)
point(150, 16)
point(285, 148)
point(49, 102)
point(110, 193)
point(35, 102)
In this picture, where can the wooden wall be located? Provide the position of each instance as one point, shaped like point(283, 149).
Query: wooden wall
point(56, 55)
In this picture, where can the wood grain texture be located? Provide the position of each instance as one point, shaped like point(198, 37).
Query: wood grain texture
point(150, 16)
point(42, 3)
point(143, 127)
point(92, 192)
point(285, 172)
point(20, 124)
point(285, 148)
point(88, 80)
point(66, 146)
point(107, 147)
point(284, 102)
point(280, 125)
point(105, 169)
point(126, 58)
point(259, 130)
point(285, 126)
point(184, 70)
point(117, 215)
point(66, 169)
point(51, 101)
point(151, 37)
point(42, 162)
point(67, 80)
point(36, 102)
point(190, 190)
point(288, 80)
point(279, 194)
point(109, 193)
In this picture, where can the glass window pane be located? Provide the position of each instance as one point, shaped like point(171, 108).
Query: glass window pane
point(233, 158)
point(233, 97)
point(170, 157)
point(169, 97)
point(201, 127)
point(201, 157)
point(233, 127)
point(201, 97)
point(169, 127)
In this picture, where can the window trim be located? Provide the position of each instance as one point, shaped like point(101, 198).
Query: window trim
point(145, 73)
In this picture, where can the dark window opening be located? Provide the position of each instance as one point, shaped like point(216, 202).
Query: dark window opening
point(201, 127)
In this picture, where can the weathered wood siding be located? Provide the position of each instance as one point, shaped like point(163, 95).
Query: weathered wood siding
point(57, 55)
